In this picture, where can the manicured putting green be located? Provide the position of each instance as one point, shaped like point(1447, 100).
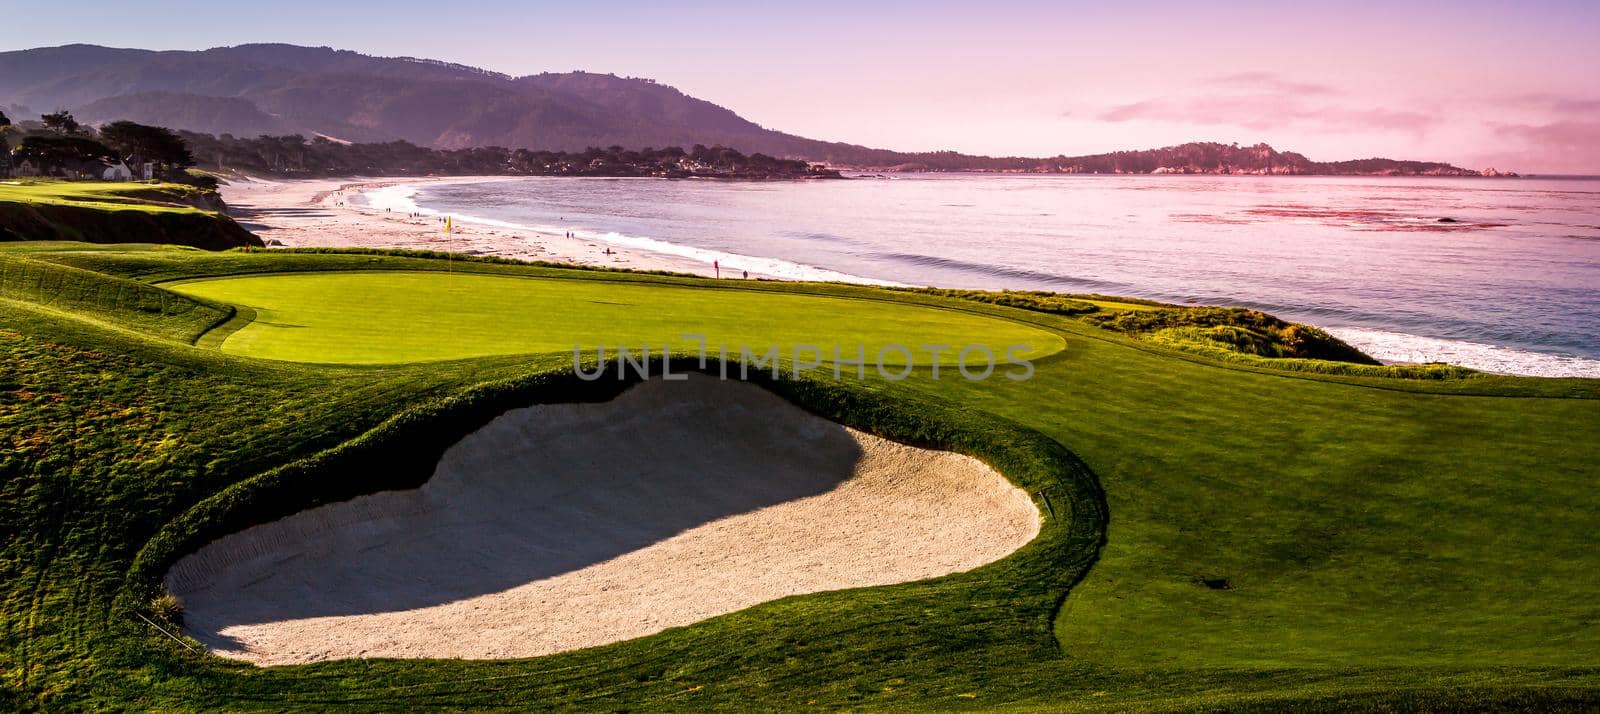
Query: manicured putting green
point(368, 317)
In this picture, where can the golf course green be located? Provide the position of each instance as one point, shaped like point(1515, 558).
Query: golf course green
point(389, 317)
point(1219, 534)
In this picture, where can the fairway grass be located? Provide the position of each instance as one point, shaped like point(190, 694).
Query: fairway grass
point(392, 317)
point(1218, 535)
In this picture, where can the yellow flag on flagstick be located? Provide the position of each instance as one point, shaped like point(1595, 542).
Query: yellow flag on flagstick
point(446, 224)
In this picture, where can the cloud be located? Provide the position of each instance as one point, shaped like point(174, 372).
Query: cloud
point(1267, 100)
point(1571, 147)
point(1578, 136)
point(1380, 119)
point(1264, 111)
point(1271, 82)
point(1149, 109)
point(1558, 103)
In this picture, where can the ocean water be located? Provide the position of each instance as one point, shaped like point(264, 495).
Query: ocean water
point(1510, 282)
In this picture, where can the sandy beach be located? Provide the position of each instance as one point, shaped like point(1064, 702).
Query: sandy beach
point(325, 213)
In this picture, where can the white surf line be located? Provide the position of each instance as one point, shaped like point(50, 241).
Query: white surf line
point(1389, 346)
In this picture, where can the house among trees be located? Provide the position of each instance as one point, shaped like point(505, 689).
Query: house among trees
point(118, 151)
point(118, 171)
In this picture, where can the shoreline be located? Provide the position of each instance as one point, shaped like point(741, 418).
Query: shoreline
point(318, 213)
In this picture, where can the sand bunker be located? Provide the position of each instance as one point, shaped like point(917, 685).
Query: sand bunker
point(566, 526)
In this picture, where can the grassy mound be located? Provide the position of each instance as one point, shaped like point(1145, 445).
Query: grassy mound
point(172, 214)
point(113, 301)
point(1266, 540)
point(1248, 332)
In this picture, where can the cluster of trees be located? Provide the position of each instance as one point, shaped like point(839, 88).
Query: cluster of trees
point(296, 156)
point(1199, 157)
point(59, 141)
point(671, 162)
point(1394, 167)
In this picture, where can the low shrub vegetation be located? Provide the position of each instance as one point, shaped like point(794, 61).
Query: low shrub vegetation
point(167, 606)
point(1249, 332)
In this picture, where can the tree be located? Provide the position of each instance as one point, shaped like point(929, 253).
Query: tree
point(61, 122)
point(138, 143)
point(5, 145)
point(6, 130)
point(53, 152)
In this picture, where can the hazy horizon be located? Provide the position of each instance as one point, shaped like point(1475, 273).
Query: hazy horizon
point(1475, 84)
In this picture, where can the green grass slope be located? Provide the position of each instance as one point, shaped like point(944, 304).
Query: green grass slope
point(1247, 537)
point(109, 300)
point(95, 212)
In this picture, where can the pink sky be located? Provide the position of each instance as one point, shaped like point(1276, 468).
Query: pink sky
point(1514, 85)
point(1476, 84)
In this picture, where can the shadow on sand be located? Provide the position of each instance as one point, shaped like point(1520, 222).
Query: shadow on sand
point(536, 493)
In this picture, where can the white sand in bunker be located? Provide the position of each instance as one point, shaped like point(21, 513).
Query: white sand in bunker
point(559, 527)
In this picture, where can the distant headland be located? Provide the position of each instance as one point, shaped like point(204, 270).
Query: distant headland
point(1192, 158)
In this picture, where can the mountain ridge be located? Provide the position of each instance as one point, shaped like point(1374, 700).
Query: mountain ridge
point(283, 89)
